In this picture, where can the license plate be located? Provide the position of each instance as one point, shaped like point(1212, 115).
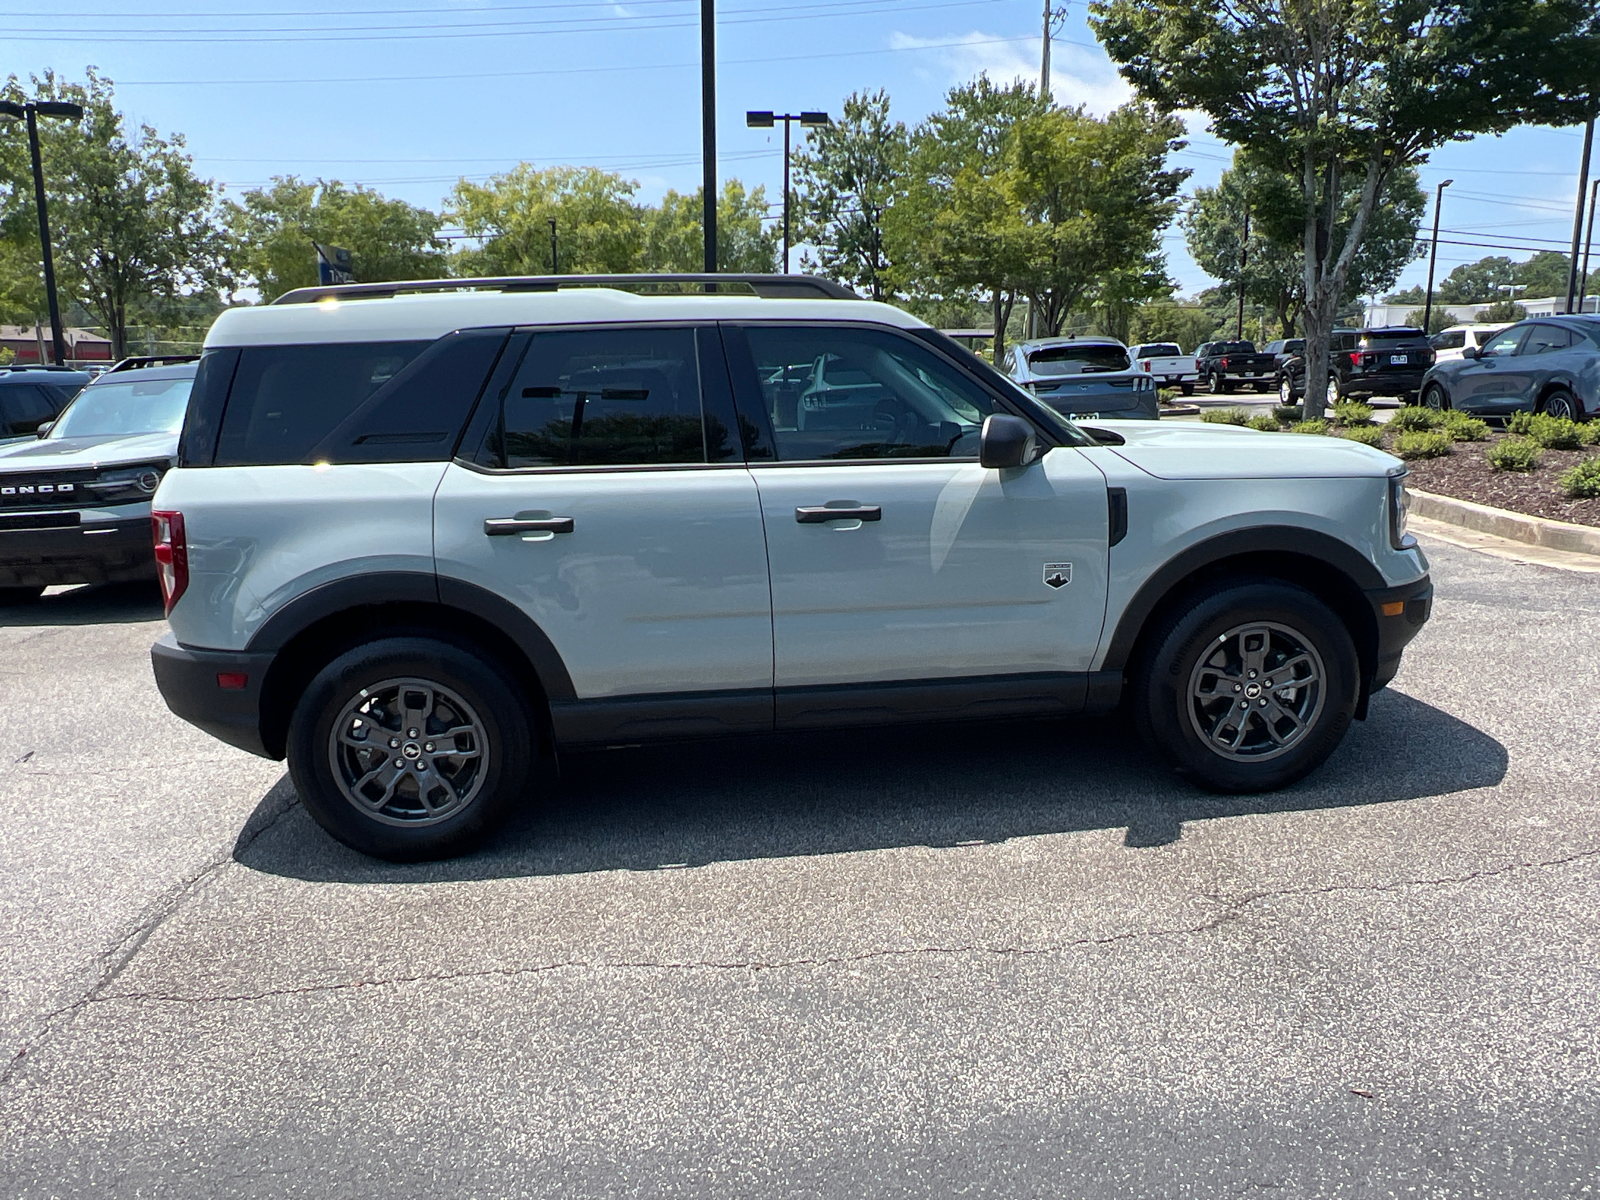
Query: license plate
point(1085, 416)
point(1398, 360)
point(1173, 379)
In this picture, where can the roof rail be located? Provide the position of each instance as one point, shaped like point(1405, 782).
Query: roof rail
point(152, 360)
point(39, 367)
point(798, 287)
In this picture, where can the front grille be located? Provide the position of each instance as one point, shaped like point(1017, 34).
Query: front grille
point(56, 489)
point(40, 520)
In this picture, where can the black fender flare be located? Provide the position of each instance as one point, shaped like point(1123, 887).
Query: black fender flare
point(1260, 540)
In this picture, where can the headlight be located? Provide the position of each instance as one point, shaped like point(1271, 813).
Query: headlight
point(1399, 504)
point(128, 483)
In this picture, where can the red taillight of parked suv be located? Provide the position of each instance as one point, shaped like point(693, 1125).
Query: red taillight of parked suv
point(172, 555)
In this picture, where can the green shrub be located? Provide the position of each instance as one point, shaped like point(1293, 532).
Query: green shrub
point(1412, 418)
point(1463, 428)
point(1520, 424)
point(1589, 433)
point(1264, 423)
point(1513, 454)
point(1309, 427)
point(1353, 412)
point(1423, 443)
point(1226, 416)
point(1553, 433)
point(1367, 435)
point(1582, 482)
point(1288, 414)
point(1167, 395)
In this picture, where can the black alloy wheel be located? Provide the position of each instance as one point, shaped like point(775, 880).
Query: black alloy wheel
point(1247, 685)
point(411, 747)
point(1562, 404)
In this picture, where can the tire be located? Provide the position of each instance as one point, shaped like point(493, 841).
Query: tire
point(1408, 399)
point(411, 814)
point(19, 595)
point(1433, 397)
point(1187, 388)
point(1561, 403)
point(1286, 396)
point(1204, 647)
point(1224, 386)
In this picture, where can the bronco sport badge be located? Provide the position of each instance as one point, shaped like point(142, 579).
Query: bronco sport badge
point(1057, 575)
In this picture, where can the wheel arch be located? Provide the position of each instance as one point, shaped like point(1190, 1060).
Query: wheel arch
point(1562, 383)
point(306, 634)
point(1328, 568)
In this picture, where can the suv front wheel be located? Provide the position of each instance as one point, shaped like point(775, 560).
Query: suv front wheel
point(1248, 687)
point(410, 748)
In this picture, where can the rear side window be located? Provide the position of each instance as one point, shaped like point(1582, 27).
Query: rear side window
point(1450, 339)
point(287, 399)
point(606, 397)
point(24, 407)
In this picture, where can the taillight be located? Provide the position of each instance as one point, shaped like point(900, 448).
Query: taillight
point(1223, 363)
point(172, 555)
point(1355, 358)
point(1145, 365)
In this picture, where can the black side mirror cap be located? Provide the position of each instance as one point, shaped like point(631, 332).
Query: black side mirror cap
point(1006, 441)
point(1469, 352)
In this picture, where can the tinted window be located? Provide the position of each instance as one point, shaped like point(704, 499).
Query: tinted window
point(1503, 343)
point(1234, 348)
point(1450, 339)
point(1342, 341)
point(1163, 350)
point(606, 397)
point(1480, 336)
point(1545, 339)
point(842, 393)
point(1375, 337)
point(1077, 359)
point(128, 405)
point(287, 399)
point(24, 407)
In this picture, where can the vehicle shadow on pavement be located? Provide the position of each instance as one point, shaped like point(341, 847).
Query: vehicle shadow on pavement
point(103, 604)
point(808, 794)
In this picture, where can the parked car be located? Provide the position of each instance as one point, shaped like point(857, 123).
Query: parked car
point(1084, 378)
point(29, 397)
point(1448, 344)
point(1167, 364)
point(1363, 363)
point(417, 538)
point(1225, 365)
point(1546, 364)
point(75, 499)
point(1284, 349)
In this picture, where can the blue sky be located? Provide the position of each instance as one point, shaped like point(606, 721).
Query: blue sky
point(407, 95)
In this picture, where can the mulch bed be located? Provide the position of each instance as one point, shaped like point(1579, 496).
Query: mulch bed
point(1466, 475)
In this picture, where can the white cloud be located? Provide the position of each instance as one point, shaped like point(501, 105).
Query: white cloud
point(1078, 75)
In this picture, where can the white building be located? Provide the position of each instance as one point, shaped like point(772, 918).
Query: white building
point(1379, 315)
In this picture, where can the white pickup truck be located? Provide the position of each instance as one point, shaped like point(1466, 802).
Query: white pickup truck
point(1169, 365)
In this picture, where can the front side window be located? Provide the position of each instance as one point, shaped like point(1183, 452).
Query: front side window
point(606, 397)
point(1504, 343)
point(836, 392)
point(126, 406)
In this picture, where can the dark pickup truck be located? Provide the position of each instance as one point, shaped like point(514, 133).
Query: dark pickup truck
point(1223, 366)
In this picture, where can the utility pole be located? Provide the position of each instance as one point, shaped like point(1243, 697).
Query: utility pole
point(555, 266)
point(1244, 250)
point(708, 126)
point(1588, 241)
point(1577, 216)
point(30, 111)
point(1052, 17)
point(1433, 254)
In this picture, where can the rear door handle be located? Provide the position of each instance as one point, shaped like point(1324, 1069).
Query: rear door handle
point(818, 514)
point(510, 526)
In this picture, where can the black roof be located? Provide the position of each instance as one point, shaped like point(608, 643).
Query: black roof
point(800, 287)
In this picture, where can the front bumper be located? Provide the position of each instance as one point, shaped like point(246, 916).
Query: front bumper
point(188, 683)
point(1401, 612)
point(41, 550)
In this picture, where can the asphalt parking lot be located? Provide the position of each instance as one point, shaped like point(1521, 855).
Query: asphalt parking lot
point(1002, 961)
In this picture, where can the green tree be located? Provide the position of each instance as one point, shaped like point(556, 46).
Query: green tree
point(1167, 320)
point(1545, 274)
point(600, 229)
point(1503, 310)
point(1274, 270)
point(134, 228)
point(674, 238)
point(1439, 319)
point(1353, 89)
point(848, 177)
point(1478, 282)
point(272, 233)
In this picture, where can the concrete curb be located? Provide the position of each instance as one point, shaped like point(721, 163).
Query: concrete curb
point(1535, 531)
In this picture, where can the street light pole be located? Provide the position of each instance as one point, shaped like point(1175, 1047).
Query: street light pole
point(1577, 216)
point(555, 268)
point(766, 120)
point(1588, 242)
point(1244, 249)
point(708, 127)
point(30, 112)
point(1433, 254)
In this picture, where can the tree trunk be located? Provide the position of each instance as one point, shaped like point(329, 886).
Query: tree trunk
point(1002, 305)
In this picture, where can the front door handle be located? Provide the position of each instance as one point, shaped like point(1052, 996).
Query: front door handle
point(817, 514)
point(511, 526)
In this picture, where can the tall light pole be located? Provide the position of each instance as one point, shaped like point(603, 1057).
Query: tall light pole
point(555, 267)
point(1588, 243)
point(708, 127)
point(1433, 254)
point(1577, 216)
point(1244, 249)
point(30, 112)
point(766, 120)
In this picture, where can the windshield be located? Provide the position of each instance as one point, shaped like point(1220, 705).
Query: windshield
point(126, 407)
point(1076, 359)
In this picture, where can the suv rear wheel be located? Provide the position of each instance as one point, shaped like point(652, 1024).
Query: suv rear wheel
point(410, 748)
point(1561, 403)
point(1248, 686)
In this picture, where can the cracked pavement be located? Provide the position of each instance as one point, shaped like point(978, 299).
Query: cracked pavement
point(990, 960)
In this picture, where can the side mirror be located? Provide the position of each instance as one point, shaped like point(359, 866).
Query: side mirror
point(1469, 352)
point(45, 428)
point(1006, 441)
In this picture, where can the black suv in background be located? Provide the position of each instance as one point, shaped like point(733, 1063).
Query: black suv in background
point(1363, 363)
point(32, 396)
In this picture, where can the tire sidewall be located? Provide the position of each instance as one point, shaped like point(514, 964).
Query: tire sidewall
point(1161, 696)
point(1435, 393)
point(499, 705)
point(1564, 398)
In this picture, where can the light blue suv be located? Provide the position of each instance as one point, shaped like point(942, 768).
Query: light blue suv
point(421, 534)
